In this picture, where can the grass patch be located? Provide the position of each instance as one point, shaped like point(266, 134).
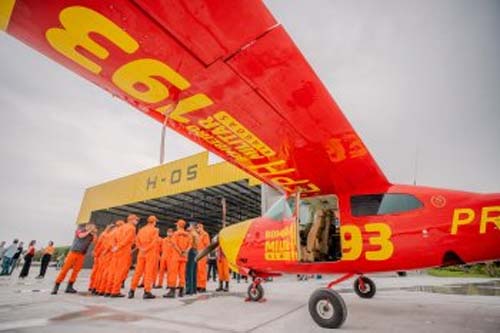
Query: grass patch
point(443, 272)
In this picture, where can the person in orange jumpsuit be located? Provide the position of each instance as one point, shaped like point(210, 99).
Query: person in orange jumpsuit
point(201, 272)
point(74, 261)
point(146, 242)
point(222, 271)
point(106, 261)
point(96, 267)
point(99, 259)
point(110, 266)
point(166, 255)
point(176, 274)
point(158, 257)
point(122, 253)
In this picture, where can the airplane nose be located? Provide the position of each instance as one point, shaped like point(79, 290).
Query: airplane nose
point(231, 238)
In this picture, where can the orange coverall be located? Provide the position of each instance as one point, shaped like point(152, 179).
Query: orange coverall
point(201, 270)
point(124, 240)
point(222, 266)
point(158, 257)
point(165, 259)
point(105, 259)
point(176, 274)
point(96, 266)
point(146, 242)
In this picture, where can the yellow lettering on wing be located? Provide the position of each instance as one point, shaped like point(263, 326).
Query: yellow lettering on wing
point(138, 79)
point(185, 106)
point(78, 22)
point(6, 8)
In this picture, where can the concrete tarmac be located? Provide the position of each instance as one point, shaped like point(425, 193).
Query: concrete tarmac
point(416, 303)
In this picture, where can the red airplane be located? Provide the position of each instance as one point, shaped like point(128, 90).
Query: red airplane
point(226, 75)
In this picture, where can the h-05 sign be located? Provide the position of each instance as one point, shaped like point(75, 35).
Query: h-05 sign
point(172, 177)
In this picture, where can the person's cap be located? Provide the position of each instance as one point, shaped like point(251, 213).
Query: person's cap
point(152, 219)
point(181, 223)
point(132, 216)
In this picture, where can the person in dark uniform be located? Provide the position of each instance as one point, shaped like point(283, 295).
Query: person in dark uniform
point(212, 266)
point(30, 253)
point(191, 263)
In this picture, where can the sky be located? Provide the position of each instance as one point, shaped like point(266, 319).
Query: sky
point(419, 81)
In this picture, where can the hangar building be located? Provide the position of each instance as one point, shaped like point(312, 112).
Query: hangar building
point(189, 188)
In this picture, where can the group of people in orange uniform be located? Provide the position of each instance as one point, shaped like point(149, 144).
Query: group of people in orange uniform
point(157, 258)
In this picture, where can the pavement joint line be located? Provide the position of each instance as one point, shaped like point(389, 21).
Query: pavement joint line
point(111, 311)
point(276, 318)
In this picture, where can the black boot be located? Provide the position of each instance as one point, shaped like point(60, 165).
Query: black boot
point(220, 287)
point(70, 289)
point(226, 286)
point(119, 295)
point(148, 295)
point(56, 289)
point(131, 293)
point(170, 293)
point(181, 292)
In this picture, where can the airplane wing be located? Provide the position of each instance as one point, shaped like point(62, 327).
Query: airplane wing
point(222, 73)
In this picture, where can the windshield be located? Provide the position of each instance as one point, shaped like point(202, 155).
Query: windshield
point(280, 210)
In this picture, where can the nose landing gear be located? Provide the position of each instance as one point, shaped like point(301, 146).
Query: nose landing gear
point(364, 287)
point(255, 291)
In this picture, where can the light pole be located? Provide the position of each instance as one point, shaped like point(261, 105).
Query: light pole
point(166, 113)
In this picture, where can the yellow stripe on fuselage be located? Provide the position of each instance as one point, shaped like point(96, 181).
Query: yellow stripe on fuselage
point(6, 8)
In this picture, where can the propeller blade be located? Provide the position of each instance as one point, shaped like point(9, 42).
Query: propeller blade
point(212, 246)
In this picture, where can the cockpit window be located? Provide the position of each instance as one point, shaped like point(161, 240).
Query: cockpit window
point(280, 210)
point(381, 204)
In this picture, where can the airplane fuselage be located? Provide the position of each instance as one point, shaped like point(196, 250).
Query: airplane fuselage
point(450, 227)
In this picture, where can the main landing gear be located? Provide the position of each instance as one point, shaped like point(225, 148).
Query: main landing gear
point(327, 307)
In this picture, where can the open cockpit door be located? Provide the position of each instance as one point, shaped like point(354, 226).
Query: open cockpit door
point(319, 229)
point(306, 229)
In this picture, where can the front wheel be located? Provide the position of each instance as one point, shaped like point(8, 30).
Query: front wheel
point(327, 308)
point(366, 289)
point(255, 293)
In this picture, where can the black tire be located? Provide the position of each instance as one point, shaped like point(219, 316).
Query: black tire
point(255, 294)
point(327, 308)
point(369, 290)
